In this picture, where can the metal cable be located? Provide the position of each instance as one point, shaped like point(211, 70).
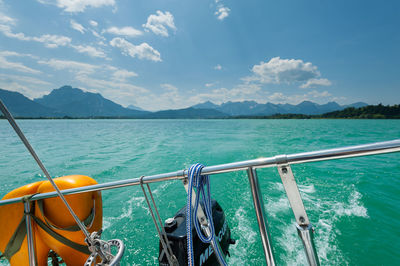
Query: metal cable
point(161, 232)
point(21, 135)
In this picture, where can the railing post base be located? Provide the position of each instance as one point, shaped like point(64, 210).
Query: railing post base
point(306, 233)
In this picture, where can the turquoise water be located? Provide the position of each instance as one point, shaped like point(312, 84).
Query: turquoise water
point(354, 203)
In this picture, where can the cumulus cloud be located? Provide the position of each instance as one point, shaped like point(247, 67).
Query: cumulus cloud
point(90, 50)
point(74, 6)
point(160, 23)
point(286, 71)
point(76, 26)
point(141, 51)
point(222, 12)
point(124, 31)
point(311, 83)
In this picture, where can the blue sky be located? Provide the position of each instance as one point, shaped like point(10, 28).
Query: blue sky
point(173, 54)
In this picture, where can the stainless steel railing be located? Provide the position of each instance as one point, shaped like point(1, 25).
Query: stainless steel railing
point(283, 163)
point(297, 158)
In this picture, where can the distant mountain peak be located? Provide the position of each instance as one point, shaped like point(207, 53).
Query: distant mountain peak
point(78, 103)
point(205, 105)
point(133, 107)
point(250, 108)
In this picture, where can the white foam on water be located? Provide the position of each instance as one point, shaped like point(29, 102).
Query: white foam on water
point(353, 208)
point(278, 186)
point(245, 238)
point(307, 188)
point(294, 254)
point(127, 210)
point(161, 187)
point(330, 212)
point(273, 207)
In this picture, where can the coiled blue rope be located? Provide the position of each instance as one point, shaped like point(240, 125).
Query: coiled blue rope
point(198, 181)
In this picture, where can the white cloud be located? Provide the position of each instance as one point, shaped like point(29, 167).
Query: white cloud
point(317, 94)
point(123, 74)
point(97, 35)
point(141, 51)
point(90, 50)
point(79, 5)
point(119, 92)
point(53, 41)
point(6, 30)
point(50, 41)
point(311, 83)
point(76, 26)
point(108, 80)
point(222, 12)
point(15, 84)
point(208, 85)
point(25, 79)
point(124, 31)
point(6, 19)
point(160, 23)
point(72, 66)
point(218, 67)
point(285, 71)
point(5, 64)
point(314, 96)
point(93, 23)
point(12, 53)
point(242, 92)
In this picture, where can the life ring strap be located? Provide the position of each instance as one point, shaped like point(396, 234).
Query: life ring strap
point(15, 242)
point(73, 228)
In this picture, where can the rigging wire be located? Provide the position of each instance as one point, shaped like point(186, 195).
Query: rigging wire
point(21, 135)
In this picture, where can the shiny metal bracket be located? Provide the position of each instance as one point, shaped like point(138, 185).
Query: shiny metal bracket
point(304, 227)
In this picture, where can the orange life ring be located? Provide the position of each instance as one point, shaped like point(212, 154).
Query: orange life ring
point(56, 216)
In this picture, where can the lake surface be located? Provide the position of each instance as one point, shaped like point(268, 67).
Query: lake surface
point(354, 203)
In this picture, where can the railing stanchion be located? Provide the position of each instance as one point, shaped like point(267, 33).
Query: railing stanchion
point(29, 234)
point(261, 218)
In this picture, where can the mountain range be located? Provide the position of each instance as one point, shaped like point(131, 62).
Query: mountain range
point(76, 103)
point(252, 108)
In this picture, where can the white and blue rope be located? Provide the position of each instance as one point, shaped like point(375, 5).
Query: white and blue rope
point(198, 181)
